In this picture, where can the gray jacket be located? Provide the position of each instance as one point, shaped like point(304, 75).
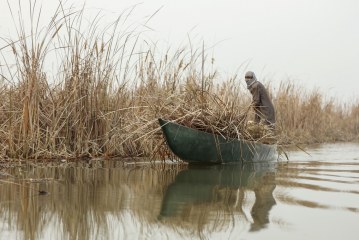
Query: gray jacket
point(262, 104)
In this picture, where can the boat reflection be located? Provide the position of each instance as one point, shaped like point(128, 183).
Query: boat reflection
point(205, 190)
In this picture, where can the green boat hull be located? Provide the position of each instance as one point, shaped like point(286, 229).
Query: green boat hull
point(194, 146)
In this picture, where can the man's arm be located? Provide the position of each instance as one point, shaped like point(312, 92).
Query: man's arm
point(255, 91)
point(256, 96)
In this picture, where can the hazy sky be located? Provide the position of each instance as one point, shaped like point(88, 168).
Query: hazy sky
point(312, 42)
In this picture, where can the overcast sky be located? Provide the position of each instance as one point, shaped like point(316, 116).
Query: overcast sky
point(312, 42)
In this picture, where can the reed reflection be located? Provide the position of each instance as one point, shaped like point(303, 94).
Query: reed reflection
point(80, 201)
point(203, 195)
point(101, 202)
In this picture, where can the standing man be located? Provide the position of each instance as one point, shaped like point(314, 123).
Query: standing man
point(262, 104)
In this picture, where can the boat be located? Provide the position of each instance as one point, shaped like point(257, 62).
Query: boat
point(194, 146)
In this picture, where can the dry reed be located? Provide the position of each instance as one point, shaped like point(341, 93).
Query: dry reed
point(108, 93)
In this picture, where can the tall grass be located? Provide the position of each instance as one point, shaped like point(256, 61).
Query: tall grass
point(306, 117)
point(110, 88)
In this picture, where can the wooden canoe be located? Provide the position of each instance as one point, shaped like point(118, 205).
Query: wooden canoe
point(194, 146)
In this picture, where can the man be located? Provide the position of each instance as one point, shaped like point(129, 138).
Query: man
point(262, 104)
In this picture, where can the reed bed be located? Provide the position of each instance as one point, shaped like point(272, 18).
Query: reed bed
point(111, 85)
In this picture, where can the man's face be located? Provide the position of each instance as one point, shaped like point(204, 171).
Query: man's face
point(249, 78)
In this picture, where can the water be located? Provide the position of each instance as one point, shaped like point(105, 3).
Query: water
point(312, 196)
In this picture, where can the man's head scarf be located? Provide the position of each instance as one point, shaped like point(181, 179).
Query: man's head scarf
point(250, 78)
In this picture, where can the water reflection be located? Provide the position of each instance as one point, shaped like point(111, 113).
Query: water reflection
point(81, 200)
point(113, 200)
point(84, 201)
point(198, 192)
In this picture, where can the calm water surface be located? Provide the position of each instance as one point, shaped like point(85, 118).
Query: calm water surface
point(312, 196)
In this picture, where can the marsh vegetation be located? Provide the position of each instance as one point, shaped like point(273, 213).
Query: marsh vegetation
point(110, 85)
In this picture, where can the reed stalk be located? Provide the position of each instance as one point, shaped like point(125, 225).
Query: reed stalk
point(104, 98)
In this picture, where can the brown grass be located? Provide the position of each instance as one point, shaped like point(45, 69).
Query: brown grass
point(305, 117)
point(109, 91)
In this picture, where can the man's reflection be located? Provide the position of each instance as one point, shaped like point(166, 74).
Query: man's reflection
point(264, 201)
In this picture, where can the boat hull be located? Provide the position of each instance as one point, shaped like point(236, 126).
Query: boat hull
point(194, 146)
